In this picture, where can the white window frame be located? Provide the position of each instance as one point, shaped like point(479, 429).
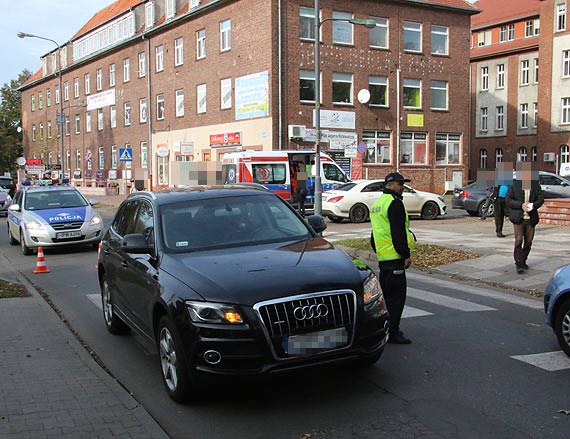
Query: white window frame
point(413, 84)
point(525, 72)
point(76, 87)
point(142, 64)
point(503, 34)
point(307, 75)
point(342, 30)
point(178, 51)
point(484, 118)
point(149, 15)
point(201, 98)
point(77, 124)
point(564, 154)
point(101, 158)
point(99, 79)
point(143, 110)
point(560, 24)
point(201, 44)
point(536, 65)
point(438, 31)
point(112, 75)
point(159, 50)
point(500, 76)
point(144, 155)
point(114, 157)
point(67, 131)
point(226, 93)
point(529, 28)
point(438, 87)
point(343, 78)
point(160, 106)
point(170, 8)
point(33, 133)
point(484, 78)
point(87, 83)
point(524, 116)
point(511, 32)
point(413, 139)
point(498, 155)
point(41, 131)
point(565, 111)
point(87, 121)
point(49, 133)
point(126, 70)
point(452, 144)
point(483, 158)
point(566, 63)
point(415, 27)
point(522, 155)
point(100, 119)
point(179, 102)
point(499, 118)
point(78, 159)
point(225, 35)
point(378, 81)
point(307, 17)
point(535, 114)
point(113, 115)
point(127, 113)
point(382, 29)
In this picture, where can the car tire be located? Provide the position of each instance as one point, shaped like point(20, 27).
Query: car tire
point(490, 210)
point(370, 360)
point(175, 373)
point(562, 326)
point(11, 239)
point(26, 251)
point(358, 213)
point(113, 323)
point(430, 211)
point(335, 219)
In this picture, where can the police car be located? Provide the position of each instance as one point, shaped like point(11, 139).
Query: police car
point(52, 216)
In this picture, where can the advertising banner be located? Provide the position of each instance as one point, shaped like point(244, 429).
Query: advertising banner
point(252, 96)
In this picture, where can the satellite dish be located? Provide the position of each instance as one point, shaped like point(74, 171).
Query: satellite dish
point(21, 161)
point(363, 96)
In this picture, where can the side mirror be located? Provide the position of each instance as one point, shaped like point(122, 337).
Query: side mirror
point(317, 222)
point(565, 183)
point(136, 243)
point(14, 208)
point(93, 201)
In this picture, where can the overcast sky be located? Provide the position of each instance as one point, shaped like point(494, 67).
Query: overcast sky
point(57, 20)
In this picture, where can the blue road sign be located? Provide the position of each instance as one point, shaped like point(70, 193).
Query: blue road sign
point(126, 154)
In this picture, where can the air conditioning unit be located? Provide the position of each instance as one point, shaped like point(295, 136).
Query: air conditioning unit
point(297, 131)
point(549, 157)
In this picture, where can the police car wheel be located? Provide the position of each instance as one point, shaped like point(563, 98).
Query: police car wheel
point(26, 251)
point(11, 239)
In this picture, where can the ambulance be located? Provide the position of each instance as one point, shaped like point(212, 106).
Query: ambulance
point(273, 170)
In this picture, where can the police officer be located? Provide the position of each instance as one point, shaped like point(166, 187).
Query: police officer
point(392, 241)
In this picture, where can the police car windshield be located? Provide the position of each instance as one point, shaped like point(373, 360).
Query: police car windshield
point(53, 200)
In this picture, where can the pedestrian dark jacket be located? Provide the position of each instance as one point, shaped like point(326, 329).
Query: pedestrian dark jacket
point(397, 218)
point(515, 199)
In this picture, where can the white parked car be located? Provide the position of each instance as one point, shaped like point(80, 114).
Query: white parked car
point(354, 200)
point(5, 201)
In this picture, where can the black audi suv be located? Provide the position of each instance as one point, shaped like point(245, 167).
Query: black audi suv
point(230, 280)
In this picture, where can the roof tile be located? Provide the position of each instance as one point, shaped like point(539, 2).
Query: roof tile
point(495, 11)
point(113, 10)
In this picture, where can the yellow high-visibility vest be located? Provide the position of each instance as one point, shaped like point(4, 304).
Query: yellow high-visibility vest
point(385, 250)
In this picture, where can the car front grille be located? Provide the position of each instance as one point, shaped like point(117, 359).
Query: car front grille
point(307, 313)
point(67, 226)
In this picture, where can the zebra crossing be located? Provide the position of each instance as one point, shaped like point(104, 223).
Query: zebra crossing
point(444, 301)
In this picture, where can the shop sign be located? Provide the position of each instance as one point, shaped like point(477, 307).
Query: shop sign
point(225, 139)
point(162, 151)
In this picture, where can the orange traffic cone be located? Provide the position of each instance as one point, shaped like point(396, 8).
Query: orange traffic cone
point(41, 264)
point(98, 255)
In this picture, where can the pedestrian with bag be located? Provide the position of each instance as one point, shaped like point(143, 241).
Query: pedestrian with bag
point(392, 241)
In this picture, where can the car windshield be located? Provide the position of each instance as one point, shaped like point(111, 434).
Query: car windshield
point(229, 222)
point(53, 200)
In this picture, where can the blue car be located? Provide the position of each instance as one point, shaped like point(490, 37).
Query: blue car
point(557, 306)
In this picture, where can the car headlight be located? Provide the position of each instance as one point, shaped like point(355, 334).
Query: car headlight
point(34, 225)
point(372, 289)
point(217, 313)
point(95, 220)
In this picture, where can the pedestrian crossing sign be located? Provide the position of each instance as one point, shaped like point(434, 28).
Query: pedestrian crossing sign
point(126, 154)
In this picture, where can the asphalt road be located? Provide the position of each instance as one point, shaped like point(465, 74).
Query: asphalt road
point(458, 379)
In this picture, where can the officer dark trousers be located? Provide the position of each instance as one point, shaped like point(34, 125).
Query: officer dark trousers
point(394, 284)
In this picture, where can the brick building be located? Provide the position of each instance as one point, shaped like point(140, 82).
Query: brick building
point(187, 80)
point(520, 72)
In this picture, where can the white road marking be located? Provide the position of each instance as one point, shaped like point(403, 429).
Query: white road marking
point(550, 361)
point(446, 301)
point(410, 311)
point(96, 299)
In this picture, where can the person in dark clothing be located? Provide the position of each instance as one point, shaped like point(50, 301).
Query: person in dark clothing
point(301, 188)
point(499, 194)
point(392, 241)
point(524, 198)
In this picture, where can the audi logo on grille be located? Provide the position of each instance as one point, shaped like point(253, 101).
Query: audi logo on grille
point(308, 312)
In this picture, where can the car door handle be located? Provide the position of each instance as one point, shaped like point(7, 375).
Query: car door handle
point(124, 264)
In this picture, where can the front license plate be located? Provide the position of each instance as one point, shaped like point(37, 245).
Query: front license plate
point(64, 235)
point(314, 342)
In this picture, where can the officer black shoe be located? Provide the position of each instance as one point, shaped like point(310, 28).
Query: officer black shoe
point(520, 269)
point(525, 266)
point(500, 235)
point(399, 339)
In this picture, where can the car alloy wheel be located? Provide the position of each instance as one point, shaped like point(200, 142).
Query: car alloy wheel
point(358, 213)
point(430, 211)
point(114, 324)
point(562, 326)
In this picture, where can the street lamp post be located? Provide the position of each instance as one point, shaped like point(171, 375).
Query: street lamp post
point(60, 117)
point(370, 24)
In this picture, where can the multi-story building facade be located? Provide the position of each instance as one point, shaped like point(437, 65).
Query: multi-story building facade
point(521, 90)
point(188, 80)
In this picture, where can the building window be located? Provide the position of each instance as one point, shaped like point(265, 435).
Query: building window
point(499, 118)
point(525, 69)
point(413, 148)
point(511, 35)
point(112, 75)
point(127, 109)
point(170, 8)
point(524, 116)
point(101, 157)
point(535, 114)
point(412, 96)
point(201, 44)
point(88, 121)
point(67, 125)
point(522, 154)
point(68, 159)
point(178, 51)
point(142, 64)
point(561, 17)
point(484, 119)
point(533, 154)
point(565, 110)
point(33, 133)
point(536, 70)
point(447, 148)
point(100, 118)
point(484, 38)
point(144, 155)
point(500, 76)
point(307, 86)
point(78, 159)
point(142, 110)
point(77, 124)
point(159, 58)
point(57, 95)
point(377, 147)
point(114, 157)
point(226, 93)
point(342, 29)
point(49, 129)
point(160, 107)
point(566, 64)
point(225, 35)
point(307, 23)
point(412, 36)
point(87, 83)
point(439, 93)
point(75, 87)
point(126, 70)
point(529, 28)
point(484, 78)
point(503, 34)
point(342, 88)
point(99, 79)
point(41, 131)
point(201, 98)
point(48, 97)
point(378, 36)
point(564, 154)
point(378, 87)
point(498, 155)
point(179, 99)
point(149, 14)
point(113, 111)
point(162, 167)
point(41, 100)
point(483, 158)
point(439, 36)
point(33, 99)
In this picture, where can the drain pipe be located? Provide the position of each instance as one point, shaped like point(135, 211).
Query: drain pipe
point(279, 79)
